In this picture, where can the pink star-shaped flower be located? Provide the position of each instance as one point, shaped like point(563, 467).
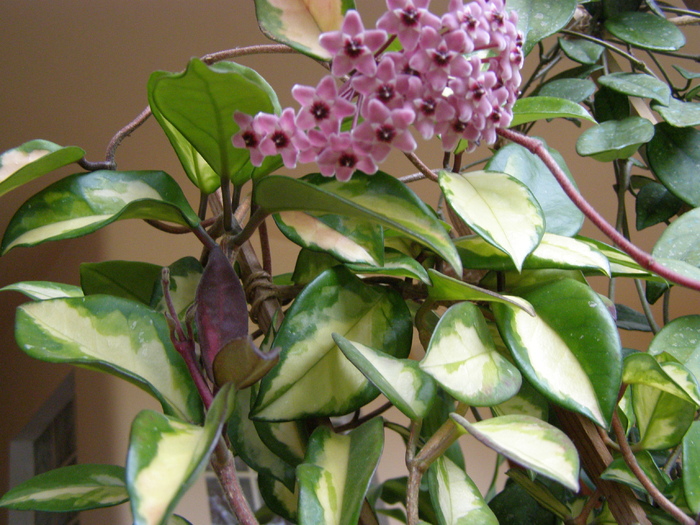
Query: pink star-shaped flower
point(321, 106)
point(282, 136)
point(343, 156)
point(247, 137)
point(383, 128)
point(405, 18)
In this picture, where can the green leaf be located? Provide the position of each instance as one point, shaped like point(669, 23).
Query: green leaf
point(34, 159)
point(515, 506)
point(118, 336)
point(379, 198)
point(345, 238)
point(655, 204)
point(554, 251)
point(166, 456)
point(643, 369)
point(85, 202)
point(530, 109)
point(311, 264)
point(497, 207)
point(42, 290)
point(185, 274)
point(637, 85)
point(621, 264)
point(527, 402)
point(680, 339)
point(674, 157)
point(287, 439)
point(610, 105)
point(462, 358)
point(530, 442)
point(681, 240)
point(248, 445)
point(615, 139)
point(395, 264)
point(580, 50)
point(401, 380)
point(127, 279)
point(450, 289)
point(299, 23)
point(196, 110)
point(679, 114)
point(334, 478)
point(620, 472)
point(561, 215)
point(662, 418)
point(69, 489)
point(538, 19)
point(573, 89)
point(645, 30)
point(570, 351)
point(455, 496)
point(684, 378)
point(279, 498)
point(691, 467)
point(312, 377)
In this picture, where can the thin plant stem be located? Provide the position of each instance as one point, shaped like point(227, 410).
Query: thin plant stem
point(363, 419)
point(661, 500)
point(225, 467)
point(678, 11)
point(672, 459)
point(646, 307)
point(263, 49)
point(123, 133)
point(414, 475)
point(422, 167)
point(203, 205)
point(643, 258)
point(588, 507)
point(256, 219)
point(667, 307)
point(265, 247)
point(636, 63)
point(226, 200)
point(176, 229)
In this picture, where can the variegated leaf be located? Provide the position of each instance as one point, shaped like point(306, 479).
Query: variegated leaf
point(619, 471)
point(662, 418)
point(42, 290)
point(185, 274)
point(641, 368)
point(680, 339)
point(455, 497)
point(69, 489)
point(400, 380)
point(684, 378)
point(462, 358)
point(134, 280)
point(166, 456)
point(530, 442)
point(335, 475)
point(287, 439)
point(499, 208)
point(527, 402)
point(396, 264)
point(89, 201)
point(119, 336)
point(278, 498)
point(691, 467)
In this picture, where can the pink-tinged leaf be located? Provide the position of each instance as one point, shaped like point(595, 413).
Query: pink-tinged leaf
point(299, 23)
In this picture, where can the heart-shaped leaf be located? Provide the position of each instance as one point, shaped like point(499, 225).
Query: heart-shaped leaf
point(114, 335)
point(299, 23)
point(497, 207)
point(313, 377)
point(335, 475)
point(378, 198)
point(615, 139)
point(132, 280)
point(69, 489)
point(529, 109)
point(641, 368)
point(674, 157)
point(679, 114)
point(561, 215)
point(662, 418)
point(637, 85)
point(570, 351)
point(42, 290)
point(401, 380)
point(455, 496)
point(85, 202)
point(34, 159)
point(645, 30)
point(196, 110)
point(691, 467)
point(462, 358)
point(166, 456)
point(538, 19)
point(530, 442)
point(684, 378)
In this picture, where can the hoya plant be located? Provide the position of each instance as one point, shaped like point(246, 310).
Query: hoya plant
point(488, 284)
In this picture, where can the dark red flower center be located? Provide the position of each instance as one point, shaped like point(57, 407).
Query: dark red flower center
point(428, 106)
point(250, 139)
point(347, 160)
point(280, 139)
point(320, 110)
point(410, 16)
point(353, 47)
point(385, 92)
point(386, 133)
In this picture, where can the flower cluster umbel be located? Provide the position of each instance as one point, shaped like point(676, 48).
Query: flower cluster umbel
point(456, 77)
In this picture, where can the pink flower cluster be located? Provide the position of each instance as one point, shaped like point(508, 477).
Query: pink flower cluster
point(456, 77)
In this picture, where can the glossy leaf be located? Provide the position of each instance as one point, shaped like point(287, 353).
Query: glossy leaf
point(313, 378)
point(278, 498)
point(347, 239)
point(396, 264)
point(287, 439)
point(580, 50)
point(69, 489)
point(334, 478)
point(681, 240)
point(641, 368)
point(680, 339)
point(34, 159)
point(570, 351)
point(645, 30)
point(455, 496)
point(527, 402)
point(311, 264)
point(299, 23)
point(114, 335)
point(401, 380)
point(684, 378)
point(620, 472)
point(615, 139)
point(662, 418)
point(610, 105)
point(377, 198)
point(538, 19)
point(42, 290)
point(621, 264)
point(198, 105)
point(638, 85)
point(655, 204)
point(674, 157)
point(497, 207)
point(248, 445)
point(85, 202)
point(446, 288)
point(166, 456)
point(561, 215)
point(529, 109)
point(132, 280)
point(691, 467)
point(679, 114)
point(462, 358)
point(185, 274)
point(573, 89)
point(553, 251)
point(530, 442)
